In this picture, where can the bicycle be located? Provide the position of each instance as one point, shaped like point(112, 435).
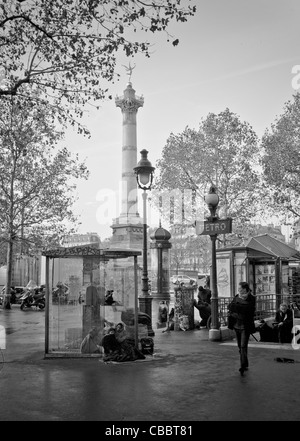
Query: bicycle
point(221, 319)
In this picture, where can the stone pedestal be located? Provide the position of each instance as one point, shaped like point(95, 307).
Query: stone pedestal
point(214, 335)
point(127, 234)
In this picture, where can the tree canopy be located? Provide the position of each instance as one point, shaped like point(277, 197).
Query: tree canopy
point(37, 180)
point(223, 152)
point(281, 161)
point(66, 49)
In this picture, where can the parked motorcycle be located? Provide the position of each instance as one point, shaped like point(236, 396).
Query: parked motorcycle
point(33, 298)
point(15, 294)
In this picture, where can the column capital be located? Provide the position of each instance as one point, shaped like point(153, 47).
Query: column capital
point(129, 104)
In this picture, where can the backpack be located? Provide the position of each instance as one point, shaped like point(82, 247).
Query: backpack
point(147, 345)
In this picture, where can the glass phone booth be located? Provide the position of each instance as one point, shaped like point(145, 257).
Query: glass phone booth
point(87, 291)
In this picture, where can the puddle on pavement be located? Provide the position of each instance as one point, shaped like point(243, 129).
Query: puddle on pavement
point(10, 331)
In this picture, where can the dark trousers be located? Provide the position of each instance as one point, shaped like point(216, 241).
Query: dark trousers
point(284, 333)
point(242, 337)
point(205, 313)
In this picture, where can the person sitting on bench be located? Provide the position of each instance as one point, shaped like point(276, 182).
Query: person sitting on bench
point(283, 323)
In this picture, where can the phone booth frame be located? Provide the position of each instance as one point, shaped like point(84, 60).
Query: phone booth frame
point(97, 257)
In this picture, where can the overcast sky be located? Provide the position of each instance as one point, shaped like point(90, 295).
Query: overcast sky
point(234, 53)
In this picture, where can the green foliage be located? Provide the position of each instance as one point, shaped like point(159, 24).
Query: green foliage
point(66, 49)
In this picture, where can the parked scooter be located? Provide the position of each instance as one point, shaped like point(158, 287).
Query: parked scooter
point(33, 298)
point(15, 294)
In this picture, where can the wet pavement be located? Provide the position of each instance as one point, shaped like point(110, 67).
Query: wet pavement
point(189, 378)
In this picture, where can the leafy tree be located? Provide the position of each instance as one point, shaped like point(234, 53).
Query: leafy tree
point(281, 162)
point(37, 181)
point(67, 49)
point(200, 247)
point(223, 152)
point(192, 252)
point(179, 251)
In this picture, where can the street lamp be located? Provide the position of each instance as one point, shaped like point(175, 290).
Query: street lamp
point(144, 176)
point(212, 200)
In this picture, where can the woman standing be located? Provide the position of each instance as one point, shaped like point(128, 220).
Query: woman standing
point(242, 308)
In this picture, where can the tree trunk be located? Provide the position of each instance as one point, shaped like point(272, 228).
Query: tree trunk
point(6, 300)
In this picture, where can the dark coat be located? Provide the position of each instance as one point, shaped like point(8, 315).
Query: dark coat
point(244, 311)
point(286, 318)
point(284, 331)
point(204, 295)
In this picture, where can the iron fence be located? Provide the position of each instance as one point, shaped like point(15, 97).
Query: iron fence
point(266, 305)
point(223, 308)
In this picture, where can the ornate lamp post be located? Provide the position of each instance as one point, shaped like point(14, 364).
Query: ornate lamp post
point(144, 176)
point(212, 200)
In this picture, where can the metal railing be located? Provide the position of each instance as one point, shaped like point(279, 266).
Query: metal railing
point(223, 304)
point(266, 305)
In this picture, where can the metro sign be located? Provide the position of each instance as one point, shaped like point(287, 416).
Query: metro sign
point(211, 228)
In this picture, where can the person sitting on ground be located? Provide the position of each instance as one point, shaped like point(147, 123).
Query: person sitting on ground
point(119, 347)
point(127, 344)
point(266, 332)
point(203, 305)
point(109, 342)
point(284, 323)
point(91, 342)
